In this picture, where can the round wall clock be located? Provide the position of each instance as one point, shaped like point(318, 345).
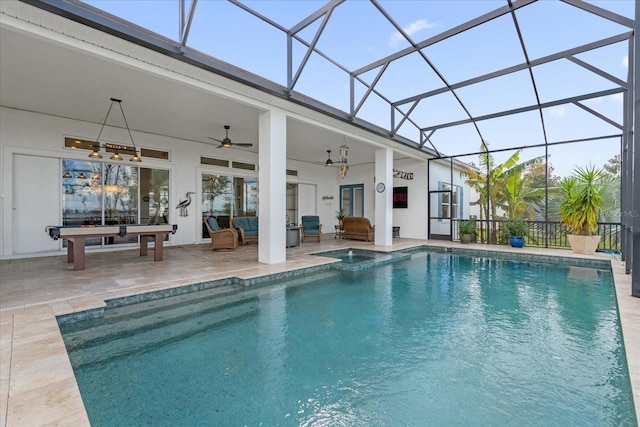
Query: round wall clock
point(380, 187)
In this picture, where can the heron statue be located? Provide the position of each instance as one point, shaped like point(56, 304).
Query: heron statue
point(184, 204)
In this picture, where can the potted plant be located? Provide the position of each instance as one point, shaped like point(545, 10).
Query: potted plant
point(516, 230)
point(467, 231)
point(580, 209)
point(340, 214)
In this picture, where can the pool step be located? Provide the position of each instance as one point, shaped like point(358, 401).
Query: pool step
point(132, 335)
point(137, 326)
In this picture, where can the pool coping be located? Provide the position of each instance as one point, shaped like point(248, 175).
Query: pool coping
point(35, 340)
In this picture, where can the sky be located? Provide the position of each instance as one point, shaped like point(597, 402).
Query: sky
point(358, 34)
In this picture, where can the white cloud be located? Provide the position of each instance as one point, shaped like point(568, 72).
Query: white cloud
point(625, 61)
point(411, 29)
point(558, 112)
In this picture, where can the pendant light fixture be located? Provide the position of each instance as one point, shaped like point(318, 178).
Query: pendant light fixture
point(116, 148)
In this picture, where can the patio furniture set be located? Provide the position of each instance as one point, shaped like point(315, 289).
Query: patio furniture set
point(244, 229)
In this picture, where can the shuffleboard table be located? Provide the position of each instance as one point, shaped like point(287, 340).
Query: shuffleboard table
point(75, 235)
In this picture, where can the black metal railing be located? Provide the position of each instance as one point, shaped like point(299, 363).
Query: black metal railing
point(543, 234)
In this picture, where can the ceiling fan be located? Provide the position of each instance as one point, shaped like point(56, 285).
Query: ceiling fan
point(226, 142)
point(330, 162)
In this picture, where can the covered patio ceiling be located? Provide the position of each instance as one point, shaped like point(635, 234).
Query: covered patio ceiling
point(431, 76)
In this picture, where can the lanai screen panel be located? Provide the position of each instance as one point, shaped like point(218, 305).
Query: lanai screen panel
point(423, 67)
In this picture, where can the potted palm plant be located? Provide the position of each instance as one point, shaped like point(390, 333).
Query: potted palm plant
point(467, 231)
point(340, 214)
point(580, 208)
point(516, 230)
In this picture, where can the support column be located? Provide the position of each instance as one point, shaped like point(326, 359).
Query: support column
point(272, 165)
point(635, 143)
point(384, 199)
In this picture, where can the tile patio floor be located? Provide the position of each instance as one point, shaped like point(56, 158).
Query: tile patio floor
point(37, 385)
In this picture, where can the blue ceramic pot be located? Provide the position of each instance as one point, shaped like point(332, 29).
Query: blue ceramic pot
point(516, 241)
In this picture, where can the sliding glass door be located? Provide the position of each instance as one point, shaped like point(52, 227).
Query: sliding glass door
point(224, 197)
point(100, 193)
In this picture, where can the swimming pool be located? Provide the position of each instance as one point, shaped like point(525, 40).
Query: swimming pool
point(439, 339)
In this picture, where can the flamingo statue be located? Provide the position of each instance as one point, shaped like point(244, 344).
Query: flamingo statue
point(184, 204)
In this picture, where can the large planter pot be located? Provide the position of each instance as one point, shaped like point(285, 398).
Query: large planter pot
point(583, 244)
point(516, 241)
point(465, 238)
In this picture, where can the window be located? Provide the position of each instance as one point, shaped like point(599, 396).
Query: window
point(102, 193)
point(225, 197)
point(154, 194)
point(450, 202)
point(217, 195)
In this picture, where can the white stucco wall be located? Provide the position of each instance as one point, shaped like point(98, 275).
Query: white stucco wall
point(413, 220)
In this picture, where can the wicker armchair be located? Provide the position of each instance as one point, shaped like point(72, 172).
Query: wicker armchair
point(222, 238)
point(358, 228)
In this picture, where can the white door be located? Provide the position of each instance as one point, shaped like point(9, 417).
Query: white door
point(306, 200)
point(36, 203)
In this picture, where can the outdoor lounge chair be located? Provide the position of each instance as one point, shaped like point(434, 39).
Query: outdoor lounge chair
point(247, 228)
point(221, 238)
point(311, 228)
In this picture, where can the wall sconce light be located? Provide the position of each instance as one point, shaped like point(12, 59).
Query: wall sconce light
point(117, 148)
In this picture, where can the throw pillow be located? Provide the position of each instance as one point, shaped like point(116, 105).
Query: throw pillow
point(213, 224)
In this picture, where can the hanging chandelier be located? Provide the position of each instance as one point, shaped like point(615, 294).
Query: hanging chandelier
point(116, 148)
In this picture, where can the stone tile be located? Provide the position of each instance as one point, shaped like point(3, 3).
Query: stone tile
point(58, 403)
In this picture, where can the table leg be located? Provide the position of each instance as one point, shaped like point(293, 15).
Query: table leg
point(157, 252)
point(144, 245)
point(69, 251)
point(75, 252)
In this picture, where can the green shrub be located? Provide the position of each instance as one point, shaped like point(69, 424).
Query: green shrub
point(467, 227)
point(516, 228)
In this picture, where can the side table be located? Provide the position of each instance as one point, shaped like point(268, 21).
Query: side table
point(339, 232)
point(293, 235)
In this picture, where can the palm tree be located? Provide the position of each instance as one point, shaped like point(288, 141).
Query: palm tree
point(518, 195)
point(583, 192)
point(500, 186)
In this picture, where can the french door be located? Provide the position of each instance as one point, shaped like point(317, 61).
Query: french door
point(352, 199)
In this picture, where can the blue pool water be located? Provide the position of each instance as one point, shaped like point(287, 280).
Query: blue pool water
point(440, 340)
